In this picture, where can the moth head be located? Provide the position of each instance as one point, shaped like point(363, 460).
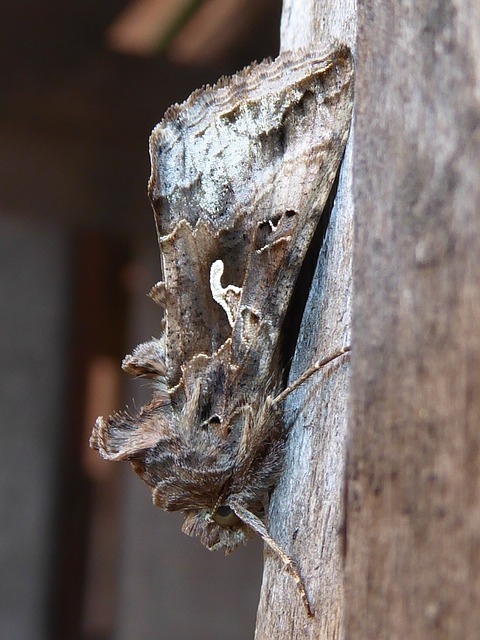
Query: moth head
point(217, 528)
point(225, 516)
point(201, 483)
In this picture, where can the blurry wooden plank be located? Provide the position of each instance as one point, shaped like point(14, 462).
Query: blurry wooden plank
point(216, 28)
point(144, 26)
point(34, 306)
point(96, 327)
point(100, 591)
point(191, 32)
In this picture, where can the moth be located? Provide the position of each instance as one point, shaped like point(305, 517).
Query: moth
point(240, 176)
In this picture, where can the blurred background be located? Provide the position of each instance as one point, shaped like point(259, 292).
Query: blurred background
point(83, 553)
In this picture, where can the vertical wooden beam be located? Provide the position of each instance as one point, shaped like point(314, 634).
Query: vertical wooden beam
point(96, 328)
point(306, 513)
point(413, 525)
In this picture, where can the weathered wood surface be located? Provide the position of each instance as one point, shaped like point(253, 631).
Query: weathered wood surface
point(413, 524)
point(306, 511)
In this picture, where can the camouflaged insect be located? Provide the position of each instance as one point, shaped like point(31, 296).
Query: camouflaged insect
point(240, 175)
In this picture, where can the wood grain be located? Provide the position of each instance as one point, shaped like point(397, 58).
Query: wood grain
point(413, 524)
point(306, 513)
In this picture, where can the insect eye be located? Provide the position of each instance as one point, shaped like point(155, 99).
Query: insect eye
point(225, 517)
point(214, 421)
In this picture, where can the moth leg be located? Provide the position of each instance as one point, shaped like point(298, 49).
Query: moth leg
point(147, 360)
point(123, 435)
point(257, 525)
point(316, 366)
point(157, 293)
point(119, 438)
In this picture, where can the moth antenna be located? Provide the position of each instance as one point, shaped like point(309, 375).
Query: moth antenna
point(316, 366)
point(257, 525)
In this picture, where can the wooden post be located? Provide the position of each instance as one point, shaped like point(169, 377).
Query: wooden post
point(413, 523)
point(306, 513)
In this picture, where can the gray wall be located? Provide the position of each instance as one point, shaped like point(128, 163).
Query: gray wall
point(33, 300)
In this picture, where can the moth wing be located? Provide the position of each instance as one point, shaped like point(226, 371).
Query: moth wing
point(241, 173)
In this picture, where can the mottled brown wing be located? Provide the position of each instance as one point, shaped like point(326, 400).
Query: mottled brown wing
point(241, 173)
